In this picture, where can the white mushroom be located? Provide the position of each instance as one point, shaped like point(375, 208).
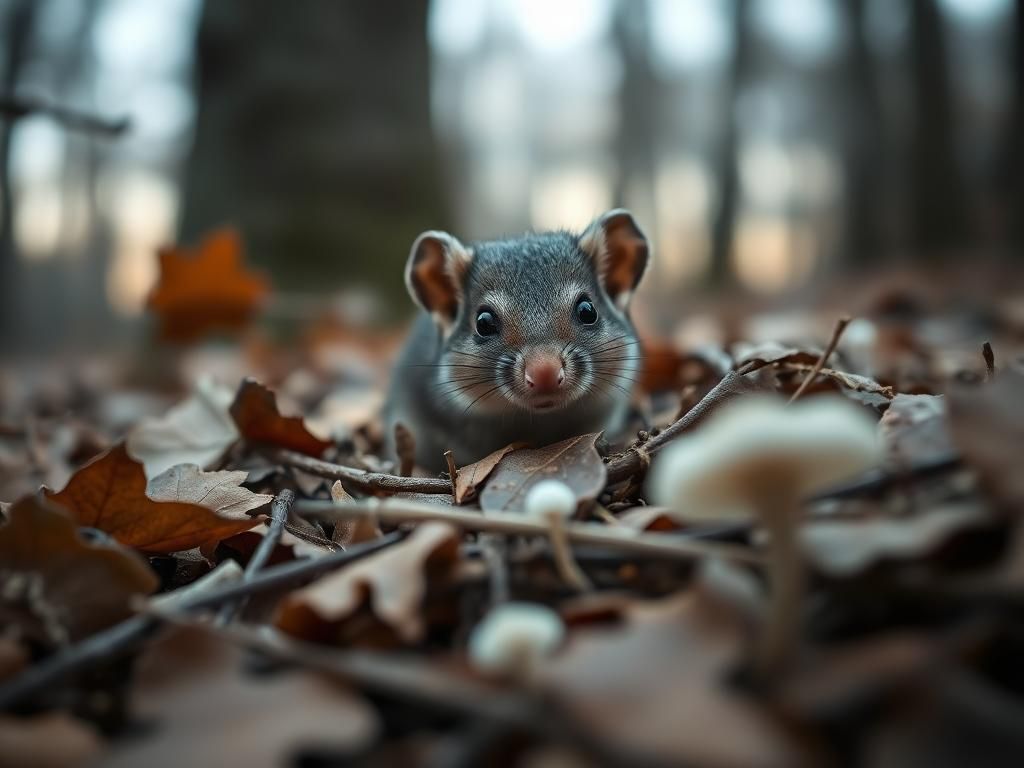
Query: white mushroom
point(514, 637)
point(757, 458)
point(554, 502)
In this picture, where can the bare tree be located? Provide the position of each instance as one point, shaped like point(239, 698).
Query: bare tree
point(723, 224)
point(314, 136)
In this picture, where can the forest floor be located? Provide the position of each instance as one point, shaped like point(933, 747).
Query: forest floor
point(222, 568)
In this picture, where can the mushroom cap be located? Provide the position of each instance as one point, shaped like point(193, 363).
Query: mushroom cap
point(757, 445)
point(550, 496)
point(513, 637)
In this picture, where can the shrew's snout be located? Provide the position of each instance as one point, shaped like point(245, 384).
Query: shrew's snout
point(544, 374)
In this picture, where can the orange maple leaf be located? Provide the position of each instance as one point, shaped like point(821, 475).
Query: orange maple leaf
point(206, 288)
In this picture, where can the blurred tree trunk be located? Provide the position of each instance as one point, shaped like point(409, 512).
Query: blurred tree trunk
point(939, 216)
point(18, 22)
point(864, 159)
point(723, 225)
point(314, 137)
point(638, 99)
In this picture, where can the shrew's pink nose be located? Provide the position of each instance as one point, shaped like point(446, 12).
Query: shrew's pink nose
point(544, 374)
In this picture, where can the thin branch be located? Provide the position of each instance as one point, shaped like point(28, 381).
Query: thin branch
point(280, 508)
point(837, 333)
point(398, 511)
point(121, 637)
point(15, 108)
point(371, 482)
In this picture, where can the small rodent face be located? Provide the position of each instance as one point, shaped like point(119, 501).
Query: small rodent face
point(536, 330)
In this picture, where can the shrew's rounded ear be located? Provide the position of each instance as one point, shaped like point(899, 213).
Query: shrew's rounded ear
point(435, 273)
point(620, 253)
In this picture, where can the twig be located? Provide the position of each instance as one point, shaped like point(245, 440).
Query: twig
point(397, 511)
point(405, 447)
point(453, 471)
point(373, 482)
point(561, 550)
point(990, 360)
point(121, 637)
point(634, 462)
point(279, 511)
point(837, 333)
point(16, 108)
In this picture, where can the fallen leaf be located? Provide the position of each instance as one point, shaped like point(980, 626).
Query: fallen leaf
point(472, 476)
point(846, 547)
point(109, 493)
point(220, 491)
point(751, 358)
point(197, 431)
point(207, 709)
point(393, 581)
point(575, 462)
point(255, 413)
point(13, 658)
point(57, 588)
point(356, 530)
point(205, 289)
point(52, 740)
point(656, 685)
point(988, 427)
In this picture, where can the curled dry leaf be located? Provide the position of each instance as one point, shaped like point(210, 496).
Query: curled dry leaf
point(656, 685)
point(258, 419)
point(844, 547)
point(208, 710)
point(988, 427)
point(109, 493)
point(472, 476)
point(198, 430)
point(56, 587)
point(220, 491)
point(53, 740)
point(355, 530)
point(205, 289)
point(393, 581)
point(575, 462)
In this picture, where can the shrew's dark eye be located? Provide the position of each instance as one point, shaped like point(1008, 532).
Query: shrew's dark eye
point(586, 312)
point(486, 323)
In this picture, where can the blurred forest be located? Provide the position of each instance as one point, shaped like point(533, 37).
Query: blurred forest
point(765, 146)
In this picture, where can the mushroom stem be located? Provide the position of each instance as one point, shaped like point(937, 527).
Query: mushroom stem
point(561, 551)
point(780, 515)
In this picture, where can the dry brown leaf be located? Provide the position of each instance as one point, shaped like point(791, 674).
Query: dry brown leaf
point(575, 462)
point(656, 685)
point(58, 588)
point(206, 709)
point(220, 491)
point(198, 430)
point(53, 740)
point(109, 493)
point(255, 413)
point(472, 476)
point(393, 581)
point(206, 289)
point(846, 547)
point(988, 427)
point(13, 658)
point(356, 530)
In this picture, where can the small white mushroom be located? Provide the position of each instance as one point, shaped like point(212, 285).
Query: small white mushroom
point(514, 637)
point(554, 502)
point(550, 497)
point(757, 458)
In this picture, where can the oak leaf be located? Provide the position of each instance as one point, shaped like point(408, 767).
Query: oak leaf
point(470, 477)
point(220, 491)
point(57, 587)
point(575, 462)
point(109, 493)
point(206, 288)
point(258, 419)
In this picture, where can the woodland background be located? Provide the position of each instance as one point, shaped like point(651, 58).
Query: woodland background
point(765, 146)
